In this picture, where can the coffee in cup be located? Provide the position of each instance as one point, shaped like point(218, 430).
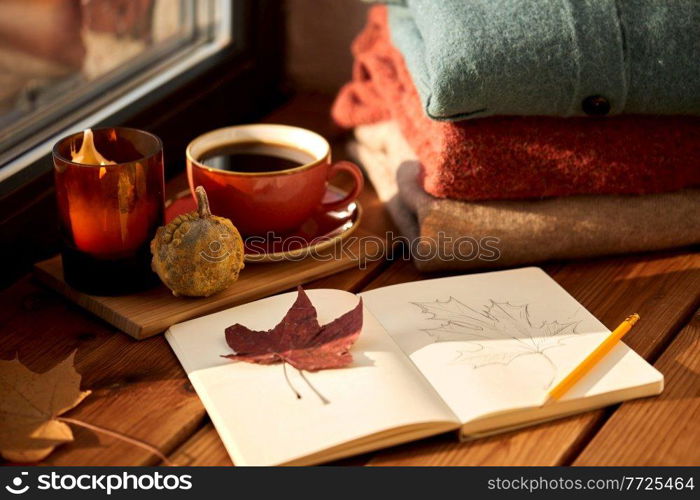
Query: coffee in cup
point(266, 178)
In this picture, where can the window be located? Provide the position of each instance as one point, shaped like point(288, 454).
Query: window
point(66, 65)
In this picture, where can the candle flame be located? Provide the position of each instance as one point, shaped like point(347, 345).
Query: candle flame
point(88, 154)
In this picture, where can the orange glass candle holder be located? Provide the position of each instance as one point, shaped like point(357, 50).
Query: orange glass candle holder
point(109, 213)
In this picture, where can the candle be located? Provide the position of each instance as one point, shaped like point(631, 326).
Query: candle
point(109, 188)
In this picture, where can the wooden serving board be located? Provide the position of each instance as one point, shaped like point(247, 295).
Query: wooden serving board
point(148, 313)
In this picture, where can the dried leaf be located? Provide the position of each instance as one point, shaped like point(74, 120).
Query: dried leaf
point(29, 406)
point(299, 339)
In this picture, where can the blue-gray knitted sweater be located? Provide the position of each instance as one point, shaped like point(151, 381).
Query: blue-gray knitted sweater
point(475, 58)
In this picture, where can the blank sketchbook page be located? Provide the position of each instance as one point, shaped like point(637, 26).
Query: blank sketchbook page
point(257, 415)
point(498, 341)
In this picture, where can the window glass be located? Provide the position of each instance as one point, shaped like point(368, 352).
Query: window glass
point(57, 57)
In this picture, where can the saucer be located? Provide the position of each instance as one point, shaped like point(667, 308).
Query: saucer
point(320, 231)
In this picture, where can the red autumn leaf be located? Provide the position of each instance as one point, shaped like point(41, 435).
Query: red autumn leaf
point(299, 339)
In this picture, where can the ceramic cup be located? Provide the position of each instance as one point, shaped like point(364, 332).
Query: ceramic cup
point(271, 201)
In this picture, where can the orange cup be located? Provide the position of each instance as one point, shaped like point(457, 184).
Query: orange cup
point(274, 201)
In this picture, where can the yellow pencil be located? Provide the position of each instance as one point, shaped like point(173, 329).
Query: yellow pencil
point(592, 359)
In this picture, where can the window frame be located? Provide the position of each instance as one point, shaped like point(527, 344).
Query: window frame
point(26, 160)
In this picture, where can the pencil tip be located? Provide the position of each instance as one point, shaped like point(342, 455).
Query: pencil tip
point(633, 318)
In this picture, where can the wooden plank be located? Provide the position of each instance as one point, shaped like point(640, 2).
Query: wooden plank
point(401, 271)
point(658, 431)
point(148, 313)
point(663, 288)
point(203, 449)
point(139, 388)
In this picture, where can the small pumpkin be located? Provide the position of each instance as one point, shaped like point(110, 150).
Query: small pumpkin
point(198, 254)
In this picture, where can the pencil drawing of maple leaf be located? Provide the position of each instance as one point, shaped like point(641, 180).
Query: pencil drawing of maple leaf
point(498, 321)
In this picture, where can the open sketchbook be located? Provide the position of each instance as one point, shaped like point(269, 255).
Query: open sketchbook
point(474, 353)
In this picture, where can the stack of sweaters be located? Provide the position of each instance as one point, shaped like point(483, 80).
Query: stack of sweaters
point(552, 129)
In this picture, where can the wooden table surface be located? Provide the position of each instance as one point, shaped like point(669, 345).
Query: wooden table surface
point(140, 389)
